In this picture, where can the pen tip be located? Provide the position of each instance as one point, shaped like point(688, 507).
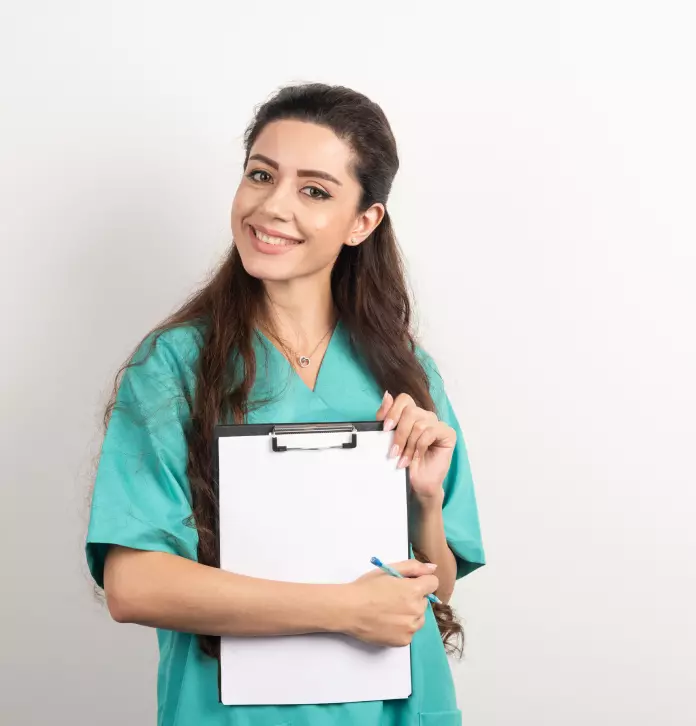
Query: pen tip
point(376, 561)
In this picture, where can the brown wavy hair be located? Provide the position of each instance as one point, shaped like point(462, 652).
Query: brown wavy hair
point(369, 292)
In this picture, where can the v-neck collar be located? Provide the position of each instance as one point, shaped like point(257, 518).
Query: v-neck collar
point(269, 345)
point(345, 390)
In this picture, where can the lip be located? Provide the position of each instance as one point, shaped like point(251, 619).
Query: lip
point(268, 249)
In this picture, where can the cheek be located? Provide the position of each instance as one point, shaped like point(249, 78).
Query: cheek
point(241, 206)
point(328, 229)
point(321, 221)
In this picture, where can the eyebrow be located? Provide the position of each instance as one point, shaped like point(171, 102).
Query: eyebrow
point(300, 172)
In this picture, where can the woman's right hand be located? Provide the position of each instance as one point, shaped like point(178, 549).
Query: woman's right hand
point(387, 610)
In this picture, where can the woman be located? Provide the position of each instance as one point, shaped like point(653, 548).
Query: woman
point(307, 319)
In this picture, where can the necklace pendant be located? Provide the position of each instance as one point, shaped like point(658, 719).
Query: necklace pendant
point(303, 361)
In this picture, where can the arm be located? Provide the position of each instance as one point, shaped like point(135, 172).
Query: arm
point(426, 445)
point(428, 537)
point(166, 591)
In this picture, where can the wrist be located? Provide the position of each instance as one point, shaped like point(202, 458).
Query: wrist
point(426, 522)
point(337, 613)
point(429, 505)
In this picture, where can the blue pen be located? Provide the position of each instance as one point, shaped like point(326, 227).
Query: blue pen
point(391, 571)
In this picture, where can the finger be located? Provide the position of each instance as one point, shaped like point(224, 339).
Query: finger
point(439, 436)
point(426, 585)
point(445, 436)
point(424, 442)
point(430, 437)
point(410, 415)
point(393, 413)
point(424, 423)
point(414, 568)
point(386, 404)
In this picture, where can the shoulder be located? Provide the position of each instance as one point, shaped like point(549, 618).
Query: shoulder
point(173, 352)
point(430, 367)
point(173, 348)
point(436, 383)
point(163, 364)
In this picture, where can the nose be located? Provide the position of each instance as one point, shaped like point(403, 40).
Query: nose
point(277, 202)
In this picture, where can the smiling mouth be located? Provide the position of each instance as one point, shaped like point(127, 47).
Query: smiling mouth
point(275, 241)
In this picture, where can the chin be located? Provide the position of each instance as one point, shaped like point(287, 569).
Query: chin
point(262, 268)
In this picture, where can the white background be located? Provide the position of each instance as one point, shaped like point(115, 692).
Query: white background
point(546, 207)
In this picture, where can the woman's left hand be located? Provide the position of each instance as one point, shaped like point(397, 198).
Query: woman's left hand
point(422, 442)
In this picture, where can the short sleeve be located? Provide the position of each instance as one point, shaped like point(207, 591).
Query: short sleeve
point(141, 497)
point(459, 510)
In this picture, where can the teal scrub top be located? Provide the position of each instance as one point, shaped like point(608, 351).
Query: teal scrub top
point(142, 500)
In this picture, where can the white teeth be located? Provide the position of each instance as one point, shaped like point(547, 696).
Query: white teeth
point(279, 241)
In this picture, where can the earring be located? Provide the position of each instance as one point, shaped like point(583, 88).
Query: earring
point(353, 240)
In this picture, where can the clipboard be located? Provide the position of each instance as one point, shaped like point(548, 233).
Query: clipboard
point(309, 503)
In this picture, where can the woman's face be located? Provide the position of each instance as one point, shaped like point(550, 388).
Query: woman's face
point(297, 202)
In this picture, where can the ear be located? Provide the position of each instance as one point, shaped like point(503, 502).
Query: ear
point(365, 224)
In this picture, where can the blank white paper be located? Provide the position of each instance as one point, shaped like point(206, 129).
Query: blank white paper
point(311, 516)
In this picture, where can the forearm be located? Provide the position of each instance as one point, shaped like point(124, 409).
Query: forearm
point(428, 537)
point(165, 591)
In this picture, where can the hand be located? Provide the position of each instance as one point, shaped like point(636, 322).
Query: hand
point(387, 610)
point(422, 441)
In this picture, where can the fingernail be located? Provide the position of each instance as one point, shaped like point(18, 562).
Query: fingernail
point(388, 425)
point(416, 454)
point(402, 462)
point(384, 398)
point(394, 451)
point(431, 565)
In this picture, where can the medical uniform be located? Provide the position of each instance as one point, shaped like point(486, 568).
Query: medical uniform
point(142, 500)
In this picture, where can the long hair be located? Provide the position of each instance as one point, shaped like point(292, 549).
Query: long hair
point(369, 292)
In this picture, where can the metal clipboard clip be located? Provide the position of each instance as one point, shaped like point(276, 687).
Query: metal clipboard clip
point(327, 428)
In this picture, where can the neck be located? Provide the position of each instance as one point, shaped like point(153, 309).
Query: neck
point(300, 311)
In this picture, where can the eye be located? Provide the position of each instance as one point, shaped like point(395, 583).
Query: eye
point(315, 193)
point(259, 175)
